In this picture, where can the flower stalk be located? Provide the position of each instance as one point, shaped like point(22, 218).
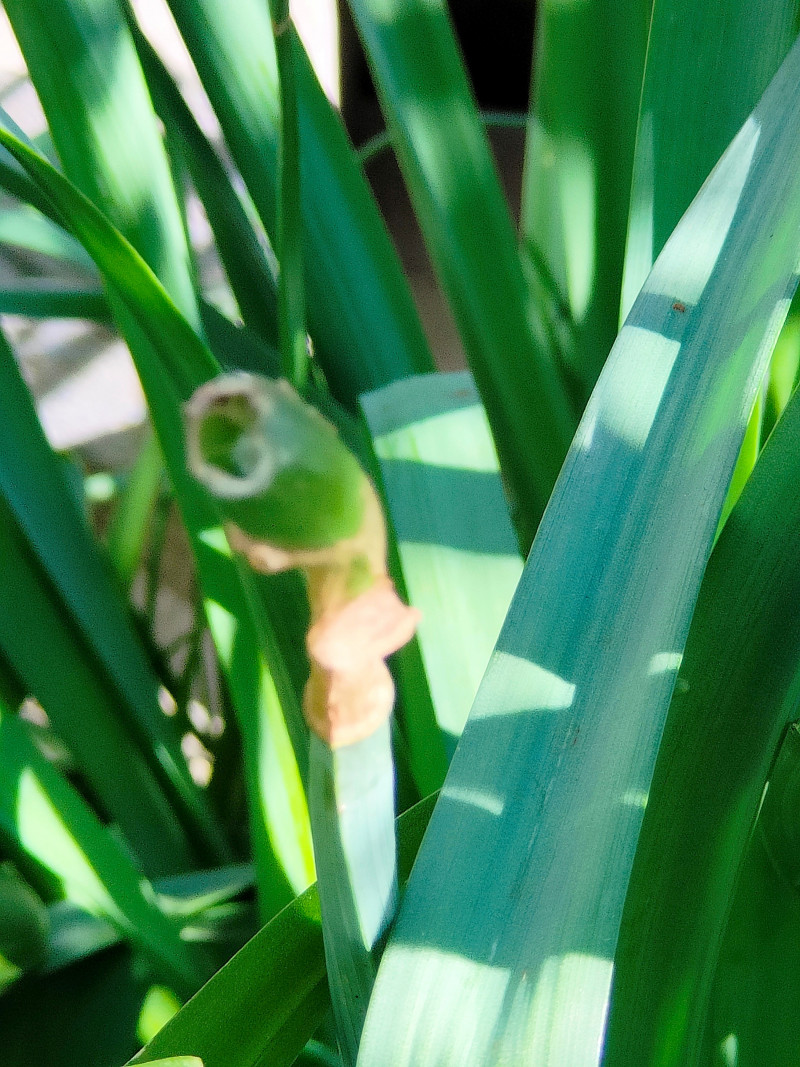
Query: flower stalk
point(292, 495)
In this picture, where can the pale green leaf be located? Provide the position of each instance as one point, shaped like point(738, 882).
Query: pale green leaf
point(459, 555)
point(503, 949)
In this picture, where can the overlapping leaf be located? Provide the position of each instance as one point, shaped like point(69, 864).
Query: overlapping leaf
point(505, 941)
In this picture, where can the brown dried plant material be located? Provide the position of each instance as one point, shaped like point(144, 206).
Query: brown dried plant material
point(357, 620)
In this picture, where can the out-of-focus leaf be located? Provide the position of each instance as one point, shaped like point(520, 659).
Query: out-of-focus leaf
point(139, 744)
point(178, 1061)
point(23, 927)
point(289, 237)
point(46, 825)
point(82, 61)
point(188, 894)
point(361, 316)
point(83, 64)
point(75, 934)
point(170, 367)
point(29, 230)
point(249, 275)
point(69, 682)
point(738, 689)
point(92, 1006)
point(44, 298)
point(130, 526)
point(159, 1006)
point(273, 994)
point(444, 153)
point(735, 49)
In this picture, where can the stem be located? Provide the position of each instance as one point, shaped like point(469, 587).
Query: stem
point(266, 455)
point(351, 805)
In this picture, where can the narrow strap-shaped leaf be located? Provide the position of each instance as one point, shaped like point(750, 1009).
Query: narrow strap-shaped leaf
point(738, 689)
point(242, 256)
point(178, 361)
point(237, 347)
point(272, 995)
point(267, 1000)
point(135, 282)
point(75, 934)
point(756, 996)
point(79, 53)
point(45, 299)
point(783, 370)
point(578, 163)
point(504, 944)
point(189, 894)
point(45, 821)
point(84, 66)
point(351, 804)
point(289, 228)
point(14, 179)
point(361, 315)
point(735, 49)
point(32, 484)
point(458, 551)
point(70, 684)
point(748, 454)
point(178, 1061)
point(26, 228)
point(24, 926)
point(444, 153)
point(12, 691)
point(81, 59)
point(129, 527)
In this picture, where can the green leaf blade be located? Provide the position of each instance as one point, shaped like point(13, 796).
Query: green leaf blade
point(538, 820)
point(45, 822)
point(68, 683)
point(32, 484)
point(272, 995)
point(245, 264)
point(361, 315)
point(738, 690)
point(173, 362)
point(578, 161)
point(83, 63)
point(458, 552)
point(444, 154)
point(351, 802)
point(735, 50)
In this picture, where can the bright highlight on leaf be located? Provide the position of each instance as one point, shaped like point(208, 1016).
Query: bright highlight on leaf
point(178, 1061)
point(458, 551)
